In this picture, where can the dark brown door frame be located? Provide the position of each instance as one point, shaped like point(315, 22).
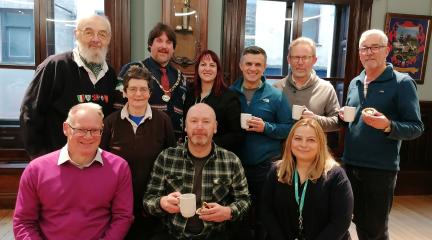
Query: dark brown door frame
point(234, 31)
point(117, 11)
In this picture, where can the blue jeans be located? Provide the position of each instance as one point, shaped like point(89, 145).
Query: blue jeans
point(373, 197)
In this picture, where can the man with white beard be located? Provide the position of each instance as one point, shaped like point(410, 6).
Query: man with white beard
point(64, 80)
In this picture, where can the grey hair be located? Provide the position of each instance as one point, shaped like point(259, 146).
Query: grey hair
point(380, 33)
point(303, 40)
point(255, 50)
point(81, 21)
point(84, 106)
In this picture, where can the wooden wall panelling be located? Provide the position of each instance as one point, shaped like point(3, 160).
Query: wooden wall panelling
point(9, 180)
point(233, 35)
point(415, 176)
point(118, 12)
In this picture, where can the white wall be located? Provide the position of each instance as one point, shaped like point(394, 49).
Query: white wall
point(144, 15)
point(215, 29)
point(419, 7)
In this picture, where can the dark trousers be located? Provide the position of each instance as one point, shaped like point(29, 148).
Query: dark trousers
point(373, 197)
point(250, 227)
point(143, 227)
point(214, 236)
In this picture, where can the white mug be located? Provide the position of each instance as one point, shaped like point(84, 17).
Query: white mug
point(297, 111)
point(244, 117)
point(187, 205)
point(349, 113)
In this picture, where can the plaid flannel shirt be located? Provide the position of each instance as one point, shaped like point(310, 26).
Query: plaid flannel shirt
point(223, 182)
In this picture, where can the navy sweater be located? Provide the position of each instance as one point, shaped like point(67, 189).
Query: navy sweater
point(394, 95)
point(59, 84)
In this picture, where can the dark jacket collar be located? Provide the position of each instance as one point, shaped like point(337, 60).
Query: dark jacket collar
point(386, 75)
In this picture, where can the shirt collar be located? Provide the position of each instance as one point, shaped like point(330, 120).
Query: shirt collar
point(261, 84)
point(64, 157)
point(311, 80)
point(125, 113)
point(80, 63)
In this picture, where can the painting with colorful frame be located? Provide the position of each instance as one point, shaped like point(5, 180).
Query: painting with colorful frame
point(408, 37)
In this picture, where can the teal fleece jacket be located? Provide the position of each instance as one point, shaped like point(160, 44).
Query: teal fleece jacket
point(393, 94)
point(272, 106)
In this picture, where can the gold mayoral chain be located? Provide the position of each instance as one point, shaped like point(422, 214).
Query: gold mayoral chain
point(165, 96)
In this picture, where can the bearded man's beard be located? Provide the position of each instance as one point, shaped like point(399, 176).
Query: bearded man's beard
point(92, 55)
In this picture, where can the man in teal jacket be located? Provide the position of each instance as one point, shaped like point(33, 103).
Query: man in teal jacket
point(372, 141)
point(269, 126)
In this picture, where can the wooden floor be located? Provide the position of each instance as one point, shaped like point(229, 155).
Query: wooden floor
point(6, 232)
point(411, 218)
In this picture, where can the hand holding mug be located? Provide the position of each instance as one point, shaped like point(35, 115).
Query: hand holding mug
point(297, 111)
point(307, 113)
point(347, 113)
point(244, 118)
point(187, 204)
point(256, 124)
point(170, 202)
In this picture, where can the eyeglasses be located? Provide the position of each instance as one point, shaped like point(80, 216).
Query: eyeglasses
point(79, 132)
point(90, 33)
point(296, 59)
point(134, 90)
point(373, 49)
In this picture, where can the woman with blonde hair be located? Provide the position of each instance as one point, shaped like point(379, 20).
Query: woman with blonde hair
point(307, 194)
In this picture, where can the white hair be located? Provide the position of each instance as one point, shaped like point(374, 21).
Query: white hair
point(380, 33)
point(85, 19)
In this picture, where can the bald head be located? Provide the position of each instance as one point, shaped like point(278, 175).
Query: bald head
point(203, 108)
point(200, 125)
point(91, 20)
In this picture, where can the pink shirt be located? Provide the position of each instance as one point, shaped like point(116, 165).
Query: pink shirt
point(65, 202)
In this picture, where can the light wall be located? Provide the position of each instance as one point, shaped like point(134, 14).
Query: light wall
point(419, 7)
point(147, 13)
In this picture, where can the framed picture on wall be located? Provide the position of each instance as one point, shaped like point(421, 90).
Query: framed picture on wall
point(409, 37)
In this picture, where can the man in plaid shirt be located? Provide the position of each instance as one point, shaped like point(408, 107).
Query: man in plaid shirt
point(199, 166)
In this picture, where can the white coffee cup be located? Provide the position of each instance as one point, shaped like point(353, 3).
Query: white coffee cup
point(349, 113)
point(244, 117)
point(187, 205)
point(297, 111)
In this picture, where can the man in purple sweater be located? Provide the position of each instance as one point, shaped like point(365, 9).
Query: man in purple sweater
point(77, 192)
